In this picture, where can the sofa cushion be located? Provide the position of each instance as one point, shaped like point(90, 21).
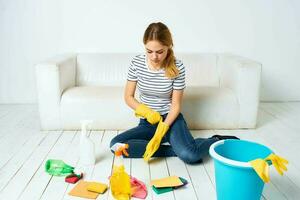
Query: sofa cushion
point(203, 107)
point(79, 103)
point(210, 107)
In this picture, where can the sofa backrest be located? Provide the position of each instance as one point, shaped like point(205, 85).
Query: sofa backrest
point(110, 69)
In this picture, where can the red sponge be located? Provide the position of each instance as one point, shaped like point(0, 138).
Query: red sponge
point(73, 178)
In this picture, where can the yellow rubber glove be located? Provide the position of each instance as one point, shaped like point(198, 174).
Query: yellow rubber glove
point(152, 116)
point(261, 166)
point(278, 162)
point(154, 143)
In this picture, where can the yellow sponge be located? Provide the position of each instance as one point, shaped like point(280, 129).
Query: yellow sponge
point(97, 187)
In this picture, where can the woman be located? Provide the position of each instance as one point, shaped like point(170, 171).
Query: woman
point(160, 78)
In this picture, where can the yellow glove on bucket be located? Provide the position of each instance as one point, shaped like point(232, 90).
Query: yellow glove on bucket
point(261, 166)
point(278, 162)
point(154, 143)
point(152, 116)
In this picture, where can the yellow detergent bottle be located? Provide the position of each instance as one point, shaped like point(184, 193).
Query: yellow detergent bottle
point(120, 180)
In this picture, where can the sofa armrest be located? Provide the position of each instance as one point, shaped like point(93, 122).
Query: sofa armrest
point(243, 76)
point(53, 76)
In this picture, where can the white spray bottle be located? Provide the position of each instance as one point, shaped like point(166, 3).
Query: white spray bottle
point(87, 147)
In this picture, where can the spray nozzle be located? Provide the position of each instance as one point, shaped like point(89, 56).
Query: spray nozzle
point(120, 149)
point(85, 124)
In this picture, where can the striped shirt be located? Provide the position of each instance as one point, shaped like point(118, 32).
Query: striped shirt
point(154, 87)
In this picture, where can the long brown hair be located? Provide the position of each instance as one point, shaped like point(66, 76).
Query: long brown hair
point(161, 33)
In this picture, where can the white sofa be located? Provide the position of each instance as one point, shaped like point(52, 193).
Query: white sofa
point(222, 91)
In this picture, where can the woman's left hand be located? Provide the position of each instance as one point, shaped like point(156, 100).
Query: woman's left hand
point(154, 143)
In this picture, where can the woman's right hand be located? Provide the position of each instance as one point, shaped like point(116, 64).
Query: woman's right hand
point(152, 116)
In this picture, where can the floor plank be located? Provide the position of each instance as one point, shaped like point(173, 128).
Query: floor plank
point(63, 150)
point(178, 168)
point(39, 183)
point(159, 169)
point(141, 170)
point(9, 170)
point(29, 169)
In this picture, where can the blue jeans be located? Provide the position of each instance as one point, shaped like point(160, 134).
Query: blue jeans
point(182, 143)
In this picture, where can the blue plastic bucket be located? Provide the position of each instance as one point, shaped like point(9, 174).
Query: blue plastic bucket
point(235, 178)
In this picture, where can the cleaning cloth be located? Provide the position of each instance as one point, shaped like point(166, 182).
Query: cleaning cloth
point(139, 189)
point(80, 190)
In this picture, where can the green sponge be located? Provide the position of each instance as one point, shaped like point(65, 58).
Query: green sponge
point(161, 190)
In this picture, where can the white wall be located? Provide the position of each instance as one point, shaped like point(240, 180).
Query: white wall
point(267, 31)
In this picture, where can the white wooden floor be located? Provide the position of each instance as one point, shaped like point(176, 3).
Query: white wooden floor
point(24, 150)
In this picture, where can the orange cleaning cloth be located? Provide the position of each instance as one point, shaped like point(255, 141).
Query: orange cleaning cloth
point(80, 190)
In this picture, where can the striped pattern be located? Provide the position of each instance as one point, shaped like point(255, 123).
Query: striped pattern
point(154, 87)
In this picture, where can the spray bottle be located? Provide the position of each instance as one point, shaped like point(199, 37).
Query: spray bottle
point(120, 180)
point(87, 147)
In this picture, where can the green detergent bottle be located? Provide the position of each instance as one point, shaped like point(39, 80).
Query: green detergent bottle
point(58, 168)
